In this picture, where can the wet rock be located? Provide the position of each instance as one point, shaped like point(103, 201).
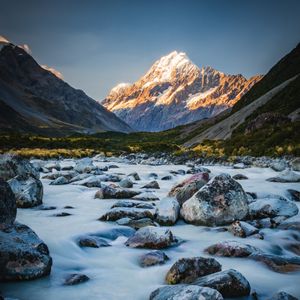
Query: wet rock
point(282, 296)
point(219, 202)
point(151, 237)
point(73, 279)
point(167, 212)
point(108, 192)
point(268, 207)
point(168, 177)
point(135, 175)
point(92, 241)
point(151, 185)
point(294, 195)
point(62, 214)
point(185, 292)
point(277, 263)
point(187, 270)
point(295, 164)
point(84, 165)
point(242, 229)
point(28, 192)
point(123, 212)
point(278, 165)
point(188, 187)
point(231, 249)
point(8, 207)
point(136, 224)
point(59, 181)
point(240, 177)
point(153, 258)
point(286, 176)
point(146, 196)
point(23, 255)
point(126, 183)
point(230, 283)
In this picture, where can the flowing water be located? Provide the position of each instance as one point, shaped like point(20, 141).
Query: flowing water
point(114, 271)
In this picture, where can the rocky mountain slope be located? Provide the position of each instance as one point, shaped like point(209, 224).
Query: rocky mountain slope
point(174, 92)
point(34, 100)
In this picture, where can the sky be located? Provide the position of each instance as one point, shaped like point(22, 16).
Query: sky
point(98, 44)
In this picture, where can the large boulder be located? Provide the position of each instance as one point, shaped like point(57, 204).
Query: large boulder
point(167, 211)
point(23, 255)
point(13, 165)
point(126, 183)
point(8, 207)
point(185, 292)
point(219, 202)
point(28, 192)
point(229, 283)
point(286, 176)
point(186, 270)
point(188, 187)
point(151, 237)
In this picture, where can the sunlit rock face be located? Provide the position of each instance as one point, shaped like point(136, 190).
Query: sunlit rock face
point(174, 92)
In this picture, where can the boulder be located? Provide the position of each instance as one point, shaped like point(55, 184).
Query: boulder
point(272, 207)
point(129, 203)
point(91, 181)
point(219, 202)
point(28, 192)
point(167, 177)
point(167, 212)
point(285, 176)
point(231, 249)
point(151, 237)
point(108, 192)
point(186, 270)
point(282, 296)
point(52, 165)
point(294, 195)
point(185, 292)
point(230, 283)
point(12, 166)
point(126, 183)
point(135, 224)
point(239, 177)
point(84, 165)
point(146, 196)
point(8, 207)
point(151, 185)
point(188, 187)
point(73, 279)
point(295, 164)
point(92, 241)
point(130, 212)
point(59, 181)
point(79, 177)
point(23, 256)
point(135, 175)
point(278, 165)
point(153, 258)
point(242, 229)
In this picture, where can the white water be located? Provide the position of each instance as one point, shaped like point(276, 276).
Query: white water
point(114, 271)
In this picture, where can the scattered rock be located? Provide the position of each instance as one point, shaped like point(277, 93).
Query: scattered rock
point(135, 224)
point(46, 207)
point(113, 167)
point(151, 237)
point(59, 181)
point(240, 177)
point(126, 183)
point(79, 177)
point(28, 192)
point(135, 175)
point(84, 165)
point(188, 187)
point(8, 207)
point(129, 203)
point(23, 256)
point(242, 229)
point(186, 270)
point(278, 165)
point(153, 258)
point(53, 165)
point(92, 241)
point(294, 195)
point(73, 279)
point(295, 164)
point(230, 283)
point(168, 177)
point(151, 185)
point(167, 212)
point(185, 292)
point(283, 296)
point(286, 176)
point(146, 196)
point(219, 202)
point(108, 192)
point(231, 249)
point(130, 212)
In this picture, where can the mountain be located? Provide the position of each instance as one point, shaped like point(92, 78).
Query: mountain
point(34, 100)
point(174, 92)
point(267, 117)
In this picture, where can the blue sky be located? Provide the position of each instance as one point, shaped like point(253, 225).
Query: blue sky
point(98, 44)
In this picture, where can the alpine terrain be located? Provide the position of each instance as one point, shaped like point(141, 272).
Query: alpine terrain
point(175, 92)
